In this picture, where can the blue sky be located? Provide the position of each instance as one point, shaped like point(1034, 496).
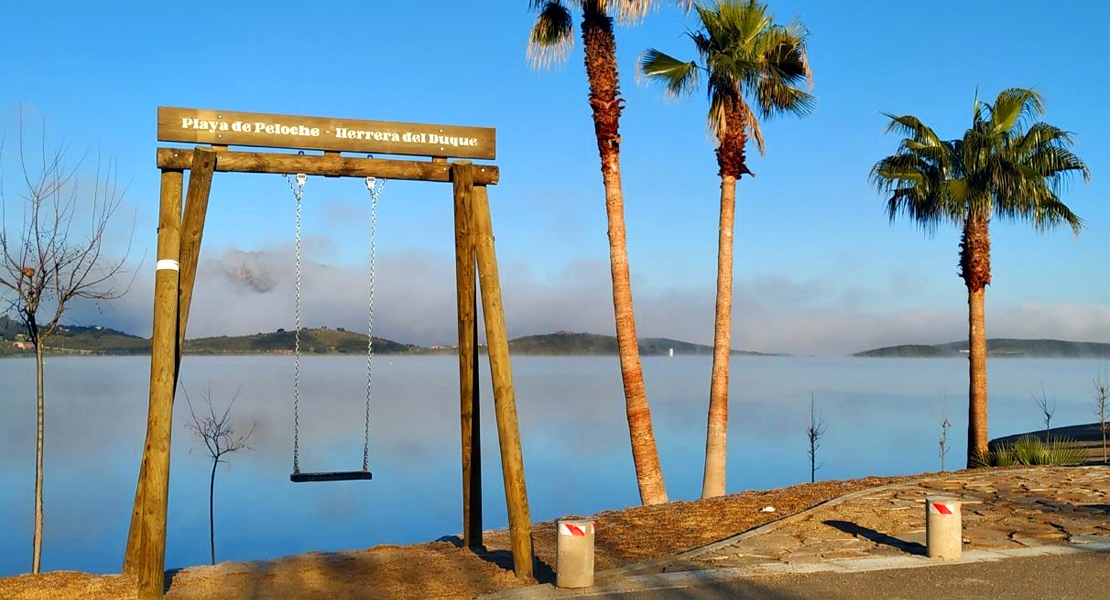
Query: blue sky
point(819, 268)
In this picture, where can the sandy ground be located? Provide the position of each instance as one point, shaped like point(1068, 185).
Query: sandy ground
point(443, 569)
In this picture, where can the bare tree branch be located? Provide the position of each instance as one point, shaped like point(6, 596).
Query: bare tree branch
point(220, 439)
point(815, 430)
point(46, 262)
point(1047, 411)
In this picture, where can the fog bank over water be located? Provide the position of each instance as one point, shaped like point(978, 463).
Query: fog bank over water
point(248, 292)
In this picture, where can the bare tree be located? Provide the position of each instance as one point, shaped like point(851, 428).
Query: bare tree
point(815, 430)
point(220, 439)
point(945, 425)
point(54, 257)
point(1047, 410)
point(1102, 392)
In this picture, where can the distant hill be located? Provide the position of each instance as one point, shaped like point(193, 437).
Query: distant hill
point(313, 341)
point(103, 341)
point(564, 343)
point(999, 347)
point(74, 339)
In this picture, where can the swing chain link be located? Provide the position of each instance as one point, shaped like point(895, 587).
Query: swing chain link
point(297, 186)
point(375, 188)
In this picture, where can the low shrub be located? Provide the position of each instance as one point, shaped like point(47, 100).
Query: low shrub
point(1033, 450)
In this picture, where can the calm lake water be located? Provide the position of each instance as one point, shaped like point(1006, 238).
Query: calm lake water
point(882, 418)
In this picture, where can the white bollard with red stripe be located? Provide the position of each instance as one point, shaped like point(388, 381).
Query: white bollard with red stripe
point(943, 527)
point(574, 558)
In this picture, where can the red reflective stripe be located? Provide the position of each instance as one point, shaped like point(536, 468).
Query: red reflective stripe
point(942, 508)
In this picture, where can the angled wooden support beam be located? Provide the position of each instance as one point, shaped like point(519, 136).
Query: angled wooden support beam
point(331, 164)
point(462, 179)
point(504, 398)
point(192, 230)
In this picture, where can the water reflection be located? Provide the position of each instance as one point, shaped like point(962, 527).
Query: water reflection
point(882, 418)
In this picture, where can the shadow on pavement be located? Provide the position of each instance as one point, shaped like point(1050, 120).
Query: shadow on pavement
point(745, 589)
point(877, 537)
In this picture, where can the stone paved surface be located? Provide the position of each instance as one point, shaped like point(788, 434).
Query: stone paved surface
point(1007, 514)
point(1001, 510)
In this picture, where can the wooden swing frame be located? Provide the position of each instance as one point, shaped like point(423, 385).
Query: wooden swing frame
point(179, 241)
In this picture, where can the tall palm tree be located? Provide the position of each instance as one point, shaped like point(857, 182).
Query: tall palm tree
point(1004, 166)
point(551, 39)
point(753, 70)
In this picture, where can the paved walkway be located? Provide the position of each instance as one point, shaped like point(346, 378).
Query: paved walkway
point(1020, 512)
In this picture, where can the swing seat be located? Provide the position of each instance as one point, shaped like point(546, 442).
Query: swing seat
point(330, 476)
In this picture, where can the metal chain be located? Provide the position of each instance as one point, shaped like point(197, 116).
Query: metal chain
point(298, 191)
point(375, 188)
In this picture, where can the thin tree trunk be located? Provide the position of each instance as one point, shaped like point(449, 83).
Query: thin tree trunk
point(212, 510)
point(1104, 446)
point(601, 72)
point(975, 269)
point(36, 541)
point(716, 439)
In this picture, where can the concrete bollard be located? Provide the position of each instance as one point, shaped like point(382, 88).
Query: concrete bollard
point(943, 527)
point(574, 559)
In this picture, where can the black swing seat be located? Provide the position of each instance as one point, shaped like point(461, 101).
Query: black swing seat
point(330, 476)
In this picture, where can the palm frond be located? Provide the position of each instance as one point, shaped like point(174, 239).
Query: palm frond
point(912, 128)
point(754, 130)
point(1013, 104)
point(775, 97)
point(677, 77)
point(1044, 210)
point(552, 35)
point(997, 168)
point(1041, 134)
point(629, 12)
point(748, 61)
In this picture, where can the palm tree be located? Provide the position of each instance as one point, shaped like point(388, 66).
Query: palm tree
point(1003, 166)
point(753, 69)
point(551, 40)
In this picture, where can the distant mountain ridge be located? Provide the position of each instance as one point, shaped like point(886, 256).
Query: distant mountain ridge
point(593, 344)
point(102, 341)
point(1000, 347)
point(96, 340)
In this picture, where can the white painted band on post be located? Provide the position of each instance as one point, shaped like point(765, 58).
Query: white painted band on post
point(167, 264)
point(943, 527)
point(574, 557)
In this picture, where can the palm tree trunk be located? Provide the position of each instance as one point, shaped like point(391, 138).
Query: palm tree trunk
point(36, 540)
point(211, 510)
point(601, 70)
point(975, 269)
point(977, 389)
point(716, 439)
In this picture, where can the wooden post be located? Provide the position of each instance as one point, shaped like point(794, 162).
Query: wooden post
point(163, 359)
point(462, 178)
point(196, 207)
point(504, 399)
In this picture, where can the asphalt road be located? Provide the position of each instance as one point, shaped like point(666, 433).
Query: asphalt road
point(1082, 576)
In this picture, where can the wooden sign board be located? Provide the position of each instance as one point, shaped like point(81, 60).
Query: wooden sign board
point(229, 128)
